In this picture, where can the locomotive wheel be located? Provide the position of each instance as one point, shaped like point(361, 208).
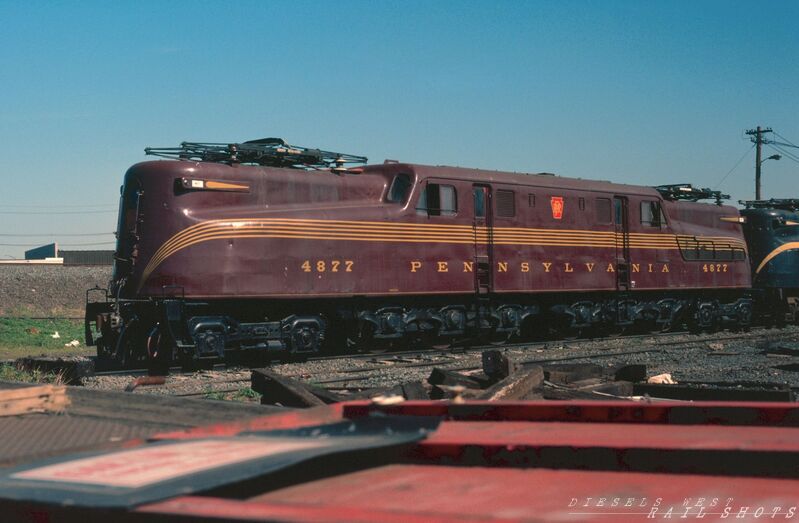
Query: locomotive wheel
point(128, 351)
point(159, 352)
point(500, 338)
point(705, 319)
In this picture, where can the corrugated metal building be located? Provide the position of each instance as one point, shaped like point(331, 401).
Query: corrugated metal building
point(52, 254)
point(87, 257)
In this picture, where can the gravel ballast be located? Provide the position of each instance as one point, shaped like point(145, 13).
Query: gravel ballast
point(705, 358)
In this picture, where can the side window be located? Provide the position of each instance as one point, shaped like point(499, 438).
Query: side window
point(701, 249)
point(620, 212)
point(603, 212)
point(531, 200)
point(479, 202)
point(438, 200)
point(400, 187)
point(651, 214)
point(506, 204)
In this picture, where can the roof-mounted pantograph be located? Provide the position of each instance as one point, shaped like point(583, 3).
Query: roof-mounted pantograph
point(788, 204)
point(271, 152)
point(687, 192)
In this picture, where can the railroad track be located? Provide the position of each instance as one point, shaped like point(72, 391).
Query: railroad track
point(396, 354)
point(659, 347)
point(439, 354)
point(354, 378)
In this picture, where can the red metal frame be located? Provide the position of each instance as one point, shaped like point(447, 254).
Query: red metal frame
point(524, 461)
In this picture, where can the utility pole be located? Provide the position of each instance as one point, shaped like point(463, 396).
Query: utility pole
point(757, 139)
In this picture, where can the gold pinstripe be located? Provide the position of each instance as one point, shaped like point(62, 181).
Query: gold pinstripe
point(411, 233)
point(790, 246)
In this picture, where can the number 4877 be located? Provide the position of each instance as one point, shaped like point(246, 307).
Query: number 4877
point(327, 266)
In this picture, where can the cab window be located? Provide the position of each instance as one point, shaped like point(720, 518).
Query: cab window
point(652, 214)
point(400, 187)
point(438, 200)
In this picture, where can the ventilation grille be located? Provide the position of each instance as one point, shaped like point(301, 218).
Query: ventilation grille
point(506, 207)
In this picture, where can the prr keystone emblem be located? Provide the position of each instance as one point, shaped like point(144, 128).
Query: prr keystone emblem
point(557, 207)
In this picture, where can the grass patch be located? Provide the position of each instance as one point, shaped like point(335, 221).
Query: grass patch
point(245, 395)
point(211, 395)
point(21, 337)
point(10, 372)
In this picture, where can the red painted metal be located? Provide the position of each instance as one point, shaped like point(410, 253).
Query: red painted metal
point(322, 218)
point(534, 494)
point(226, 509)
point(670, 413)
point(533, 461)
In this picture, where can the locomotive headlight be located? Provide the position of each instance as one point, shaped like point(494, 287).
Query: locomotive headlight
point(734, 219)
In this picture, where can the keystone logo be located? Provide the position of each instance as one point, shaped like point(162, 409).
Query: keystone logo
point(557, 207)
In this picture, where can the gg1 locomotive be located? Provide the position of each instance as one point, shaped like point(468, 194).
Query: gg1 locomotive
point(263, 246)
point(772, 235)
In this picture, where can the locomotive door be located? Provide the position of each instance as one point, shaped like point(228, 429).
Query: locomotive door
point(483, 238)
point(622, 221)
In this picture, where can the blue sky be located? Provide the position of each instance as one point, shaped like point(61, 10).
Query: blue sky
point(638, 92)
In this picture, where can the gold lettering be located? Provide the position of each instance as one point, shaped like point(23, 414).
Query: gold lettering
point(590, 267)
point(502, 266)
point(610, 268)
point(665, 267)
point(442, 267)
point(546, 265)
point(525, 267)
point(650, 267)
point(567, 267)
point(636, 267)
point(468, 266)
point(415, 265)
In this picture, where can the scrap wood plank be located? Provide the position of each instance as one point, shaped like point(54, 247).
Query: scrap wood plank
point(711, 393)
point(35, 398)
point(516, 386)
point(289, 392)
point(497, 365)
point(565, 373)
point(452, 378)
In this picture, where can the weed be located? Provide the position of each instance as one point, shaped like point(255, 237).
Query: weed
point(9, 372)
point(246, 394)
point(212, 395)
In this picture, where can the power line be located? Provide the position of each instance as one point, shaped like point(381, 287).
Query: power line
point(789, 154)
point(787, 140)
point(58, 212)
point(785, 153)
point(57, 206)
point(735, 166)
point(60, 244)
point(60, 234)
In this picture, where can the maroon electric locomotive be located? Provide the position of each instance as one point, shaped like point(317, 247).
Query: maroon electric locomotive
point(266, 246)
